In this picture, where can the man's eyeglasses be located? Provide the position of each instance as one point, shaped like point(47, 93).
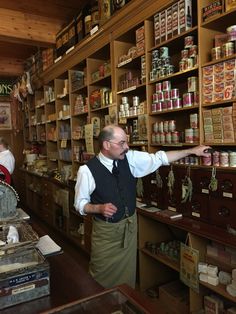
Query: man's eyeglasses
point(121, 143)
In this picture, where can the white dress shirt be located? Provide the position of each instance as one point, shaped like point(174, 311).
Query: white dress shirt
point(7, 160)
point(140, 163)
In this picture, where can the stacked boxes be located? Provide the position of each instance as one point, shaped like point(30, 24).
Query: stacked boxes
point(140, 40)
point(219, 82)
point(172, 21)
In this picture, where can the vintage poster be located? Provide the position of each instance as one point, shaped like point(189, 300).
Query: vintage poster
point(189, 259)
point(5, 116)
point(89, 138)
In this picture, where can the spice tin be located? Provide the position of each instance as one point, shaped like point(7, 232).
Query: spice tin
point(192, 84)
point(158, 138)
point(124, 100)
point(169, 104)
point(231, 31)
point(190, 63)
point(166, 85)
point(158, 87)
point(187, 99)
point(155, 127)
point(160, 96)
point(153, 107)
point(162, 138)
point(216, 158)
point(167, 94)
point(189, 135)
point(164, 52)
point(184, 54)
point(194, 120)
point(161, 126)
point(232, 159)
point(207, 161)
point(195, 135)
point(165, 105)
point(153, 137)
point(216, 53)
point(188, 41)
point(224, 159)
point(193, 51)
point(171, 125)
point(175, 137)
point(174, 93)
point(135, 101)
point(177, 103)
point(227, 49)
point(166, 126)
point(155, 97)
point(159, 106)
point(168, 137)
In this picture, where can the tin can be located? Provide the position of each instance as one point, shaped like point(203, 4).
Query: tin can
point(169, 104)
point(172, 125)
point(232, 159)
point(124, 100)
point(160, 96)
point(231, 31)
point(166, 85)
point(165, 105)
point(192, 84)
point(182, 65)
point(166, 126)
point(155, 127)
point(184, 54)
point(193, 51)
point(175, 137)
point(188, 41)
point(161, 126)
point(168, 137)
point(135, 101)
point(194, 120)
point(207, 161)
point(187, 99)
point(224, 159)
point(164, 52)
point(162, 138)
point(196, 135)
point(174, 93)
point(188, 135)
point(216, 158)
point(159, 106)
point(126, 106)
point(158, 138)
point(167, 94)
point(155, 54)
point(153, 137)
point(216, 53)
point(122, 107)
point(155, 97)
point(227, 49)
point(190, 63)
point(177, 103)
point(153, 107)
point(158, 87)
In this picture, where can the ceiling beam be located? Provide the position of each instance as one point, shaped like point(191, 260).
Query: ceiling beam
point(16, 26)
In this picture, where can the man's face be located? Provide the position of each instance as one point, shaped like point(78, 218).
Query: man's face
point(118, 146)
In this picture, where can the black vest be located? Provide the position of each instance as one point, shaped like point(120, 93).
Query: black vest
point(120, 190)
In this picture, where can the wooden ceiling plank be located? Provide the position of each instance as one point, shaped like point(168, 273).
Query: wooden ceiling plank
point(11, 67)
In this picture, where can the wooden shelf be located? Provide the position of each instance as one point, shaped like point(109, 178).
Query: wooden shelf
point(219, 60)
point(218, 20)
point(131, 89)
point(174, 75)
point(173, 110)
point(79, 89)
point(219, 289)
point(219, 102)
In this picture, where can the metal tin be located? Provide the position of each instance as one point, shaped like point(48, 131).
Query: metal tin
point(216, 53)
point(155, 127)
point(175, 137)
point(153, 137)
point(188, 41)
point(195, 135)
point(124, 100)
point(216, 158)
point(190, 63)
point(174, 93)
point(184, 54)
point(159, 106)
point(166, 85)
point(154, 107)
point(162, 138)
point(165, 105)
point(168, 137)
point(155, 97)
point(171, 125)
point(207, 161)
point(193, 51)
point(167, 94)
point(224, 159)
point(177, 103)
point(166, 126)
point(194, 120)
point(232, 159)
point(192, 84)
point(169, 104)
point(161, 126)
point(187, 99)
point(160, 96)
point(135, 101)
point(158, 87)
point(231, 31)
point(189, 135)
point(164, 52)
point(227, 49)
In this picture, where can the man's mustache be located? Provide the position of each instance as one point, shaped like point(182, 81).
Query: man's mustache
point(125, 151)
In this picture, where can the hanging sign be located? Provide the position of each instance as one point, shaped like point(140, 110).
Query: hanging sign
point(189, 258)
point(5, 88)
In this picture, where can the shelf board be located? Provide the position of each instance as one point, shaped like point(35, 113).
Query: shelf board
point(174, 38)
point(173, 110)
point(219, 289)
point(174, 75)
point(79, 89)
point(222, 102)
point(98, 109)
point(174, 145)
point(130, 89)
point(217, 21)
point(129, 61)
point(79, 114)
point(102, 80)
point(50, 102)
point(219, 144)
point(163, 259)
point(219, 60)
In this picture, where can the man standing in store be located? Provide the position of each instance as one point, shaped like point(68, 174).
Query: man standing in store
point(106, 188)
point(7, 159)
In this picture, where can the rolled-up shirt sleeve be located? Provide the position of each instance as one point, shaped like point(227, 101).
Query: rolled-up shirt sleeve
point(143, 163)
point(85, 185)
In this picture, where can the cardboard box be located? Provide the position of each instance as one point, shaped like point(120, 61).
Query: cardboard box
point(157, 28)
point(175, 19)
point(185, 15)
point(169, 22)
point(163, 25)
point(175, 297)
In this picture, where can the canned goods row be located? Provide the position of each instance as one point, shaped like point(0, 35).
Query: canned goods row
point(164, 126)
point(159, 63)
point(166, 137)
point(166, 105)
point(190, 52)
point(222, 159)
point(161, 72)
point(191, 135)
point(226, 50)
point(132, 111)
point(189, 160)
point(161, 53)
point(165, 95)
point(188, 63)
point(163, 86)
point(125, 102)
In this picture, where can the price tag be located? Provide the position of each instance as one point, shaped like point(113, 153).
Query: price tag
point(63, 143)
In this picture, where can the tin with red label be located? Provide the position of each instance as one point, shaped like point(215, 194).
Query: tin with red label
point(187, 99)
point(154, 107)
point(175, 137)
point(155, 97)
point(160, 96)
point(227, 49)
point(189, 135)
point(207, 161)
point(216, 158)
point(158, 87)
point(170, 104)
point(184, 54)
point(177, 103)
point(168, 137)
point(174, 93)
point(167, 94)
point(188, 41)
point(159, 106)
point(216, 53)
point(162, 138)
point(166, 85)
point(164, 105)
point(193, 51)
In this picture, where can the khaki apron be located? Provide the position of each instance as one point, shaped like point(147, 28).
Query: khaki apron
point(114, 252)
